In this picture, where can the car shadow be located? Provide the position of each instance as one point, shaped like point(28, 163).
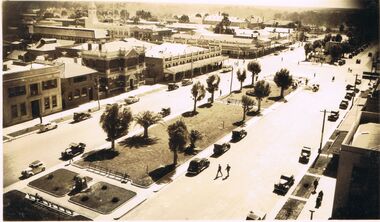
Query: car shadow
point(239, 123)
point(189, 114)
point(162, 175)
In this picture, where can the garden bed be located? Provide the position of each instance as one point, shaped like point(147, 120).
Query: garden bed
point(102, 197)
point(141, 162)
point(305, 187)
point(291, 209)
point(57, 183)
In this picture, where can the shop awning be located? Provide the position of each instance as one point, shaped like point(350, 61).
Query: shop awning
point(196, 64)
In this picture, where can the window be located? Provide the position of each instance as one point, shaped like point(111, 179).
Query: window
point(79, 79)
point(70, 97)
point(54, 101)
point(16, 91)
point(34, 89)
point(14, 111)
point(76, 93)
point(50, 84)
point(47, 102)
point(23, 109)
point(84, 92)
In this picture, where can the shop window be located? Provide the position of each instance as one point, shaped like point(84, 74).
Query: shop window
point(54, 101)
point(84, 92)
point(14, 111)
point(47, 103)
point(50, 84)
point(76, 94)
point(16, 91)
point(34, 89)
point(23, 109)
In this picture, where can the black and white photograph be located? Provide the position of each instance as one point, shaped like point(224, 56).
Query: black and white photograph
point(190, 110)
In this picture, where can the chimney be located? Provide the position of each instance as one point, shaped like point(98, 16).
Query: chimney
point(5, 67)
point(89, 46)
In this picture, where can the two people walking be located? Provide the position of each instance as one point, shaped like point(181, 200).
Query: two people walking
point(228, 168)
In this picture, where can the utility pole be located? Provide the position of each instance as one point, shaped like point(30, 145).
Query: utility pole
point(323, 128)
point(97, 90)
point(232, 75)
point(352, 103)
point(192, 70)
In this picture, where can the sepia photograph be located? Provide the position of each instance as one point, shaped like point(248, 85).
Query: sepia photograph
point(190, 110)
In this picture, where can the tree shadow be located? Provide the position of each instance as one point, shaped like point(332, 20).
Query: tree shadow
point(248, 86)
point(138, 141)
point(99, 155)
point(162, 175)
point(277, 98)
point(191, 151)
point(236, 91)
point(239, 123)
point(206, 105)
point(189, 114)
point(253, 113)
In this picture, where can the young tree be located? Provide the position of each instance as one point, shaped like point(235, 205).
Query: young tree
point(308, 48)
point(247, 104)
point(194, 136)
point(146, 119)
point(212, 85)
point(335, 52)
point(283, 80)
point(184, 19)
point(255, 68)
point(178, 137)
point(198, 15)
point(115, 121)
point(262, 90)
point(338, 38)
point(198, 92)
point(241, 76)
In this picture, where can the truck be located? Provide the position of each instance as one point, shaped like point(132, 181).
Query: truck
point(305, 155)
point(74, 149)
point(219, 149)
point(283, 186)
point(238, 134)
point(34, 168)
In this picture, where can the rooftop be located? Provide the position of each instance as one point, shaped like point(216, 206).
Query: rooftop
point(99, 33)
point(219, 18)
point(367, 136)
point(125, 44)
point(14, 66)
point(46, 44)
point(73, 67)
point(171, 49)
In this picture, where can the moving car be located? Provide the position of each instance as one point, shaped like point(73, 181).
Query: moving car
point(334, 115)
point(256, 215)
point(315, 87)
point(34, 168)
point(186, 82)
point(48, 126)
point(343, 104)
point(197, 165)
point(226, 69)
point(73, 150)
point(132, 99)
point(172, 86)
point(370, 54)
point(282, 187)
point(305, 155)
point(81, 116)
point(341, 62)
point(219, 149)
point(238, 134)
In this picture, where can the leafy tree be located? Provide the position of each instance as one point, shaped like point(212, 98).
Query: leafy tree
point(184, 19)
point(143, 14)
point(115, 121)
point(64, 13)
point(124, 14)
point(327, 38)
point(136, 20)
point(146, 119)
point(317, 44)
point(308, 48)
point(241, 76)
point(283, 80)
point(198, 15)
point(194, 136)
point(335, 52)
point(178, 137)
point(223, 26)
point(262, 90)
point(212, 85)
point(247, 104)
point(198, 92)
point(255, 68)
point(338, 38)
point(341, 28)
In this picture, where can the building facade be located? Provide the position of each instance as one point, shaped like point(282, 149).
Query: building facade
point(30, 91)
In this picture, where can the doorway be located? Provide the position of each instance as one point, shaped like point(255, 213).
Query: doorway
point(131, 84)
point(91, 95)
point(35, 108)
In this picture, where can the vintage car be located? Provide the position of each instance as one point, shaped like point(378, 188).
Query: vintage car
point(226, 69)
point(341, 62)
point(197, 165)
point(370, 54)
point(283, 186)
point(165, 112)
point(74, 149)
point(186, 82)
point(334, 115)
point(81, 116)
point(349, 87)
point(256, 215)
point(343, 104)
point(305, 155)
point(131, 99)
point(358, 61)
point(48, 126)
point(34, 168)
point(238, 134)
point(348, 96)
point(315, 87)
point(358, 81)
point(219, 149)
point(172, 86)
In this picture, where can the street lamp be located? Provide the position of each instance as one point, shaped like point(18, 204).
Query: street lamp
point(232, 75)
point(323, 128)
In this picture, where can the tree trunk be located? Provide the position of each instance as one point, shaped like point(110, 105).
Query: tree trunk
point(175, 157)
point(212, 96)
point(282, 92)
point(253, 79)
point(244, 114)
point(195, 106)
point(241, 86)
point(145, 132)
point(259, 104)
point(112, 143)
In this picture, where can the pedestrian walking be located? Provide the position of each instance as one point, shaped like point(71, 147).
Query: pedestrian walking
point(315, 183)
point(40, 118)
point(228, 168)
point(314, 74)
point(219, 171)
point(333, 78)
point(220, 91)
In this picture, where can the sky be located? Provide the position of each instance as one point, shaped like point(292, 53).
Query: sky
point(278, 3)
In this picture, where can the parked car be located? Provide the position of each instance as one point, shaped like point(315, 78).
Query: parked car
point(358, 61)
point(132, 99)
point(186, 82)
point(33, 169)
point(172, 86)
point(256, 215)
point(350, 56)
point(349, 87)
point(283, 186)
point(341, 62)
point(315, 87)
point(291, 48)
point(250, 92)
point(226, 69)
point(48, 126)
point(165, 112)
point(219, 149)
point(305, 155)
point(348, 96)
point(334, 115)
point(73, 150)
point(81, 116)
point(197, 165)
point(370, 54)
point(343, 104)
point(238, 134)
